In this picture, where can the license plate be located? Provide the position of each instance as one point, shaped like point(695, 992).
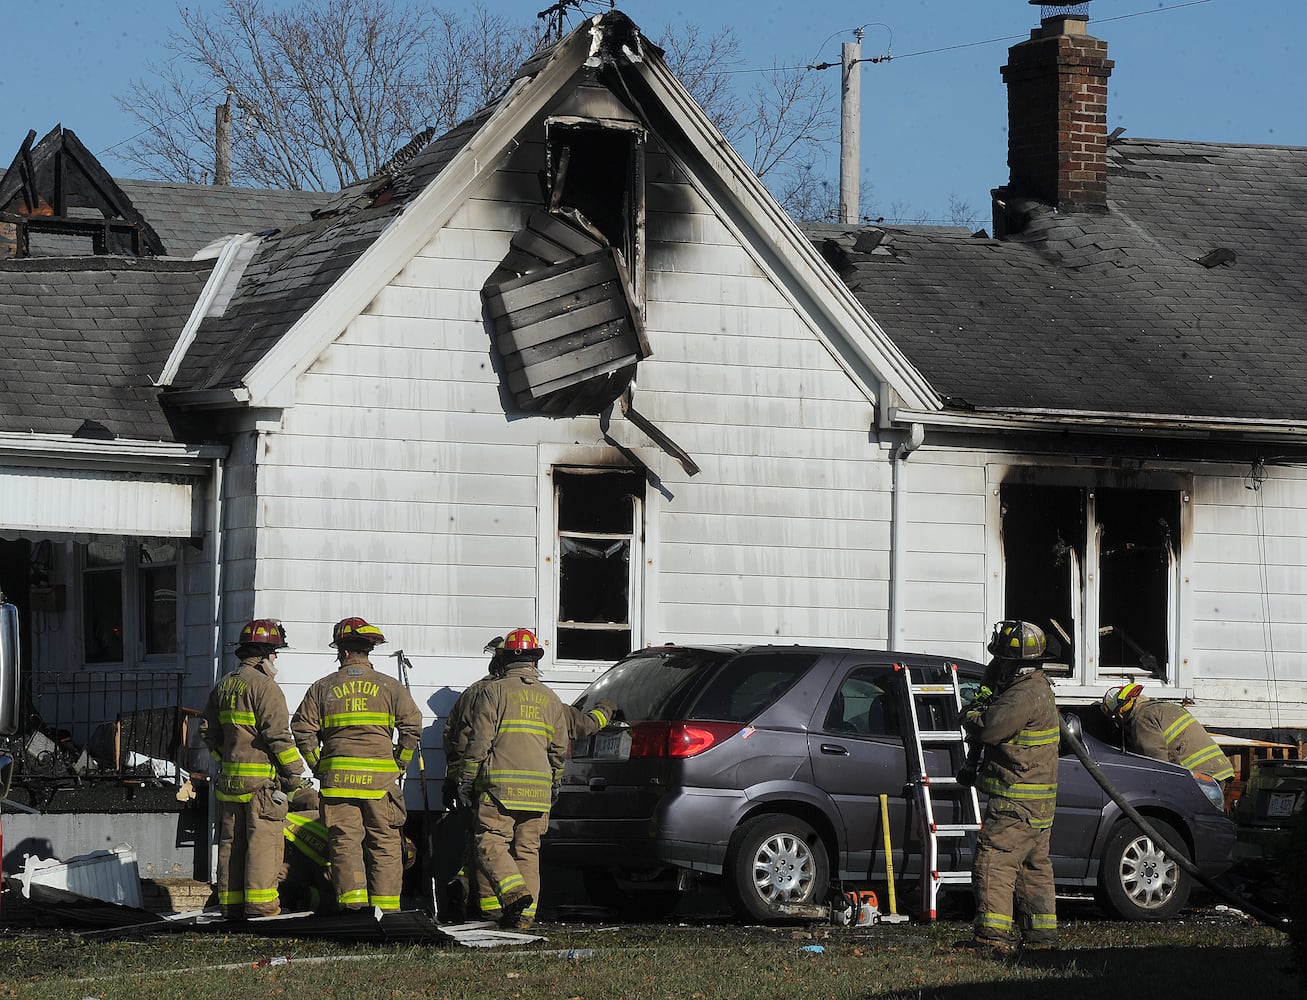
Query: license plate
point(611, 746)
point(1281, 803)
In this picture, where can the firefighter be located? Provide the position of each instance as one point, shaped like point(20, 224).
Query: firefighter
point(510, 774)
point(358, 729)
point(1012, 874)
point(456, 734)
point(246, 726)
point(305, 878)
point(1165, 731)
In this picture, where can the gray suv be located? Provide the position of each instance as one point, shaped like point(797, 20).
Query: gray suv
point(764, 767)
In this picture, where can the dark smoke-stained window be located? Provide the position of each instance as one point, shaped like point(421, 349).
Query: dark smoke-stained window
point(1097, 569)
point(598, 515)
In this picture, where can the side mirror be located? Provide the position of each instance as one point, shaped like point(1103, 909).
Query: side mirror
point(10, 674)
point(1074, 724)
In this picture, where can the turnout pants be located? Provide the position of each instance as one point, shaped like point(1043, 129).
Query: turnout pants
point(249, 855)
point(367, 850)
point(1013, 879)
point(508, 850)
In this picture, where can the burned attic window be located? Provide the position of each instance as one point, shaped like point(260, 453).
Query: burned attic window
point(598, 170)
point(598, 515)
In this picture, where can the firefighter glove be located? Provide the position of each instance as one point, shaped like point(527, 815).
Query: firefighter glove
point(607, 709)
point(449, 794)
point(967, 776)
point(553, 794)
point(466, 794)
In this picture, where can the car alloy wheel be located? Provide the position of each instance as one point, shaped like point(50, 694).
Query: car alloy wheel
point(775, 860)
point(1138, 880)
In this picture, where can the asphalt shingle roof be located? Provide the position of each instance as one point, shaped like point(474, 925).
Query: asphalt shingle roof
point(1114, 312)
point(83, 338)
point(188, 217)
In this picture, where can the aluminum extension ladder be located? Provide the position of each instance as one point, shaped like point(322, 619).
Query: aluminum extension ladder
point(932, 720)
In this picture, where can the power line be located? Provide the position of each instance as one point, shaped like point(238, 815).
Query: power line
point(150, 128)
point(968, 45)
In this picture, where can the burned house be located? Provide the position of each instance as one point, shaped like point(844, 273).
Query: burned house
point(570, 366)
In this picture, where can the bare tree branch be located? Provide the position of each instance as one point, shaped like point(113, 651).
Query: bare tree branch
point(324, 90)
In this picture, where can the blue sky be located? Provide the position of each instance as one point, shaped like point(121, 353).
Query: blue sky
point(933, 117)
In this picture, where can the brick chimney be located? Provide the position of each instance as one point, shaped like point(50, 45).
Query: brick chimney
point(1057, 115)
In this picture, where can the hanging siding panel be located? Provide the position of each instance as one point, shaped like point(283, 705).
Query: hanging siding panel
point(43, 500)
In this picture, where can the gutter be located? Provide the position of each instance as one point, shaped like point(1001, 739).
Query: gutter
point(1094, 422)
point(898, 516)
point(158, 456)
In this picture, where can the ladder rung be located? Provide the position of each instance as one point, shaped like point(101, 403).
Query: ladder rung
point(931, 688)
point(955, 829)
point(953, 877)
point(943, 736)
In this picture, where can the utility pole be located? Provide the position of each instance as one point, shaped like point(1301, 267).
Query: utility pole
point(850, 134)
point(222, 143)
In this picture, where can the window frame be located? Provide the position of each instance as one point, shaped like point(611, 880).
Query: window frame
point(132, 594)
point(641, 583)
point(1088, 677)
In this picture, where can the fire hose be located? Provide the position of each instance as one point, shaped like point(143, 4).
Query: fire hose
point(1170, 850)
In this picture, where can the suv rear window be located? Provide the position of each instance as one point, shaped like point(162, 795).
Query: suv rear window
point(748, 684)
point(654, 684)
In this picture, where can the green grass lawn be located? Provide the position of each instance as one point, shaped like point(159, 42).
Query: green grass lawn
point(1203, 955)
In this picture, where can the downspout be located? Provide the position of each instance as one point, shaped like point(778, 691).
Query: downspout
point(898, 516)
point(215, 557)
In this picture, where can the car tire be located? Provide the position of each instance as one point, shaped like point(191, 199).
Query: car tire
point(642, 905)
point(775, 860)
point(1136, 880)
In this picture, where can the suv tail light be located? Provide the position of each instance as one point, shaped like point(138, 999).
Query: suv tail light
point(678, 739)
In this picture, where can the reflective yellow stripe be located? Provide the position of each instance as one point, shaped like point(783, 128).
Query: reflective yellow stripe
point(358, 719)
point(233, 718)
point(353, 896)
point(352, 793)
point(1043, 921)
point(246, 770)
point(260, 895)
point(312, 757)
point(231, 896)
point(289, 756)
point(384, 765)
point(526, 726)
point(510, 884)
point(598, 716)
point(521, 777)
point(995, 921)
point(1177, 727)
point(232, 797)
point(1036, 737)
point(403, 756)
point(386, 902)
point(1024, 790)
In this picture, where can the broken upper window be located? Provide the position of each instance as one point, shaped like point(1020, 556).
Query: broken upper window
point(1098, 569)
point(565, 304)
point(598, 518)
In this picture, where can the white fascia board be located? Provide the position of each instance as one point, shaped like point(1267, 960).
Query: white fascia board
point(840, 306)
point(37, 450)
point(1091, 421)
point(271, 382)
point(236, 253)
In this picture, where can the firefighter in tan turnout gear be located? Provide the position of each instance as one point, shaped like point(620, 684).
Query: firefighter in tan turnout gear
point(246, 726)
point(358, 729)
point(1012, 874)
point(513, 761)
point(1166, 731)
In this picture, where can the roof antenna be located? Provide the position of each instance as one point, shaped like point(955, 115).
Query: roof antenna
point(553, 16)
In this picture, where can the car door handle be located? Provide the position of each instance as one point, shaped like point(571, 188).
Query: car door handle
point(598, 784)
point(834, 749)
